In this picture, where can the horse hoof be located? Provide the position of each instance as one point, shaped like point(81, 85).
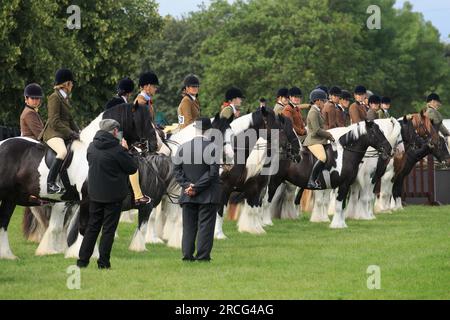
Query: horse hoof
point(220, 236)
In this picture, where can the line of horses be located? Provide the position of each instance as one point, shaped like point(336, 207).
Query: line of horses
point(266, 175)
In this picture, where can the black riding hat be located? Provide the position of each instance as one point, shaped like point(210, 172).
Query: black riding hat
point(335, 91)
point(148, 78)
point(433, 96)
point(33, 90)
point(283, 92)
point(374, 99)
point(295, 92)
point(386, 100)
point(360, 90)
point(346, 95)
point(191, 81)
point(63, 75)
point(126, 85)
point(233, 93)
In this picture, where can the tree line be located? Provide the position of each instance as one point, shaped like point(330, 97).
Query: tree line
point(257, 45)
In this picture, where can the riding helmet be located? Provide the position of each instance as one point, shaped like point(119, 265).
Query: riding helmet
point(148, 78)
point(233, 93)
point(126, 85)
point(33, 90)
point(433, 96)
point(295, 92)
point(374, 99)
point(360, 90)
point(283, 92)
point(191, 81)
point(317, 94)
point(386, 100)
point(335, 91)
point(63, 75)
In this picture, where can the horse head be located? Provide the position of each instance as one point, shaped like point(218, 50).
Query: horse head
point(367, 133)
point(288, 140)
point(135, 122)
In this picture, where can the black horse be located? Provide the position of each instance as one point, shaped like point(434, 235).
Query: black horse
point(420, 139)
point(341, 169)
point(24, 170)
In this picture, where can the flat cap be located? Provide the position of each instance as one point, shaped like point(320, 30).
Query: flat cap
point(109, 125)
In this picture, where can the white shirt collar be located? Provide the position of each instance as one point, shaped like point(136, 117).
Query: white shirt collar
point(193, 97)
point(234, 109)
point(63, 93)
point(124, 99)
point(317, 108)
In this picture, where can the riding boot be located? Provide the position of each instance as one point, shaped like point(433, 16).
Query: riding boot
point(52, 187)
point(313, 183)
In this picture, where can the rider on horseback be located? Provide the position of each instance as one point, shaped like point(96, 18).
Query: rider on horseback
point(189, 108)
point(232, 104)
point(317, 137)
point(433, 104)
point(60, 126)
point(30, 121)
point(124, 90)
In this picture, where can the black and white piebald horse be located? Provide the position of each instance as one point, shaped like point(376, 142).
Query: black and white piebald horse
point(24, 172)
point(169, 213)
point(420, 139)
point(343, 159)
point(361, 197)
point(246, 182)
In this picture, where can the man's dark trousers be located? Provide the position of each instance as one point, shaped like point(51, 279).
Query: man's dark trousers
point(201, 218)
point(100, 214)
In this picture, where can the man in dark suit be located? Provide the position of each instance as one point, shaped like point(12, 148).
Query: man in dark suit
point(197, 171)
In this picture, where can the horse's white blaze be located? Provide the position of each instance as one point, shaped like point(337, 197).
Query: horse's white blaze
point(54, 240)
point(256, 159)
point(5, 250)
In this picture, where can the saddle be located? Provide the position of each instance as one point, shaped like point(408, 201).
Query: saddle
point(331, 156)
point(50, 156)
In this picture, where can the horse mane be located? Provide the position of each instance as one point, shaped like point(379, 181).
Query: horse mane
point(356, 131)
point(420, 120)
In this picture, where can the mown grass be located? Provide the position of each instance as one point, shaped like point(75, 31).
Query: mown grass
point(294, 260)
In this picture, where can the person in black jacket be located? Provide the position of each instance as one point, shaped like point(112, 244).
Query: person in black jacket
point(109, 167)
point(198, 175)
point(124, 90)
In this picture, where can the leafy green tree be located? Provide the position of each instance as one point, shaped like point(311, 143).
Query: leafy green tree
point(35, 41)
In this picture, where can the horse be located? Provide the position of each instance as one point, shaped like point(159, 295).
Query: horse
point(420, 139)
point(24, 172)
point(246, 181)
point(170, 211)
point(343, 157)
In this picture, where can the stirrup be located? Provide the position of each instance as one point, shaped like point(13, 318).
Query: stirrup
point(145, 200)
point(53, 188)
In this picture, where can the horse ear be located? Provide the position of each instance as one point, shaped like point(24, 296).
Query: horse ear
point(264, 111)
point(217, 117)
point(405, 119)
point(369, 123)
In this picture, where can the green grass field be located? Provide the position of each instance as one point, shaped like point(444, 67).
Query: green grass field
point(294, 260)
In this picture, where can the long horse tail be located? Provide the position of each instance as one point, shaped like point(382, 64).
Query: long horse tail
point(35, 222)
